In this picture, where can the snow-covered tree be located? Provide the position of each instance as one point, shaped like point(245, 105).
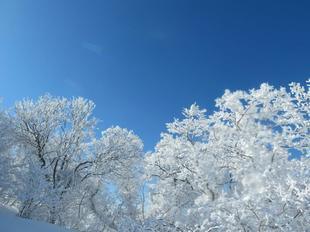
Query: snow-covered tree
point(243, 168)
point(53, 137)
point(6, 142)
point(112, 196)
point(62, 172)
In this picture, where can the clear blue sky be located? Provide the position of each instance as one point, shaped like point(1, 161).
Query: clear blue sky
point(142, 61)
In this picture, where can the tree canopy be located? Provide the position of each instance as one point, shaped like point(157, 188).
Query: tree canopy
point(243, 167)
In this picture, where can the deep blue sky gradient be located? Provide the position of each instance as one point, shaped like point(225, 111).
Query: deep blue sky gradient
point(142, 61)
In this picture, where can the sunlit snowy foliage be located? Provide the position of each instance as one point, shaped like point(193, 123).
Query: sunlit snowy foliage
point(243, 167)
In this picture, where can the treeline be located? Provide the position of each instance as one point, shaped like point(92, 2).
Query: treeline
point(243, 167)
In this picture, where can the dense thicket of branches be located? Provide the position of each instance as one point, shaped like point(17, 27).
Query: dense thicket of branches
point(53, 168)
point(244, 167)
